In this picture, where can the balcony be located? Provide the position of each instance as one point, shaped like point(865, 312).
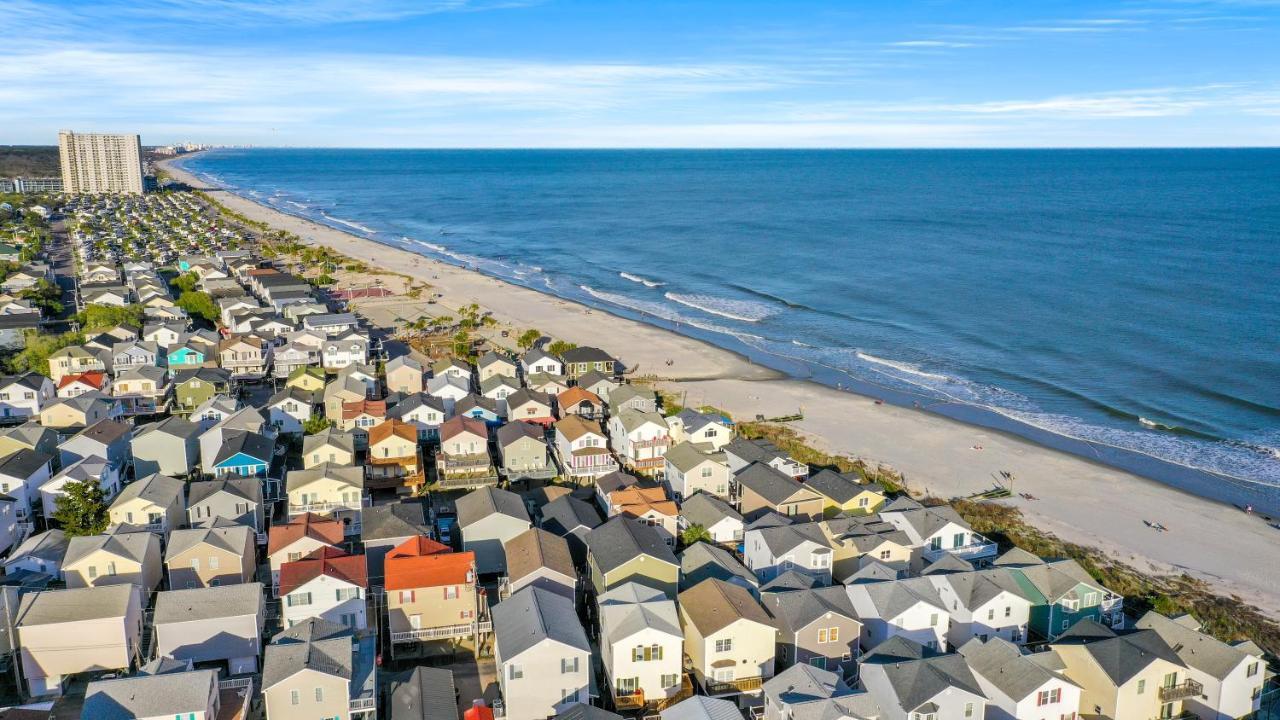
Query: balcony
point(731, 687)
point(1181, 691)
point(684, 693)
point(324, 507)
point(444, 632)
point(363, 705)
point(977, 548)
point(629, 701)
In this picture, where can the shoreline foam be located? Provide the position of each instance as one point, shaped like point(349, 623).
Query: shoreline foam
point(1103, 506)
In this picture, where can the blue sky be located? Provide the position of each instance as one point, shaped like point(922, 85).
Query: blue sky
point(596, 73)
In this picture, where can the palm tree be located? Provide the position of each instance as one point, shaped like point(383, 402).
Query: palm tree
point(695, 533)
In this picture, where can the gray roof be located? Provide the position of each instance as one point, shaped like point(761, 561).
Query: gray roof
point(583, 711)
point(888, 600)
point(483, 502)
point(632, 419)
point(24, 463)
point(785, 538)
point(533, 615)
point(632, 607)
point(791, 581)
point(50, 546)
point(871, 571)
point(50, 607)
point(232, 538)
point(686, 456)
point(159, 489)
point(131, 545)
point(701, 561)
point(924, 521)
point(514, 431)
point(1002, 664)
point(586, 354)
point(1057, 578)
point(567, 514)
point(329, 436)
point(804, 683)
point(707, 510)
point(617, 480)
point(174, 426)
point(701, 707)
point(352, 476)
point(1121, 654)
point(105, 431)
point(946, 565)
point(208, 603)
point(753, 451)
point(234, 442)
point(241, 487)
point(1196, 649)
point(401, 519)
point(535, 549)
point(622, 539)
point(625, 393)
point(796, 610)
point(768, 483)
point(423, 693)
point(177, 694)
point(917, 675)
point(312, 644)
point(840, 488)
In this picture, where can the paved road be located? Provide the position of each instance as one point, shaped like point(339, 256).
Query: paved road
point(60, 260)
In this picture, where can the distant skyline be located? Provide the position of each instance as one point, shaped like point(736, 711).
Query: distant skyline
point(731, 73)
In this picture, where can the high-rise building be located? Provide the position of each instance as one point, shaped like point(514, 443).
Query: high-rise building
point(98, 163)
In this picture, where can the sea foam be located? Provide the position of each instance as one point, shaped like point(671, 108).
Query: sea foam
point(741, 310)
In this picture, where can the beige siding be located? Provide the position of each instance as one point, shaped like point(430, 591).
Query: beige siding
point(431, 607)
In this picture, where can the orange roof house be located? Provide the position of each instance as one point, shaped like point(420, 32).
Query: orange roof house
point(422, 562)
point(95, 379)
point(324, 530)
point(579, 401)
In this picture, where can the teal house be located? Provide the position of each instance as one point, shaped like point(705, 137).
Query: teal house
point(185, 357)
point(243, 453)
point(1061, 593)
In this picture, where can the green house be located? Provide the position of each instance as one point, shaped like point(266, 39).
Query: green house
point(191, 388)
point(626, 550)
point(1061, 593)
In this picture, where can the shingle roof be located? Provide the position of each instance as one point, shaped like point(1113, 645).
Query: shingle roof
point(535, 549)
point(707, 510)
point(234, 442)
point(514, 431)
point(701, 707)
point(313, 644)
point(399, 519)
point(329, 436)
point(177, 694)
point(686, 456)
point(24, 463)
point(346, 474)
point(631, 608)
point(241, 487)
point(50, 607)
point(232, 538)
point(575, 426)
point(1120, 654)
point(50, 546)
point(483, 502)
point(795, 610)
point(583, 711)
point(1002, 664)
point(804, 683)
point(421, 562)
point(837, 487)
point(326, 561)
point(916, 675)
point(701, 561)
point(423, 693)
point(768, 483)
point(566, 514)
point(460, 424)
point(888, 600)
point(714, 604)
point(155, 488)
point(133, 546)
point(533, 615)
point(586, 354)
point(208, 603)
point(623, 539)
point(173, 425)
point(1196, 649)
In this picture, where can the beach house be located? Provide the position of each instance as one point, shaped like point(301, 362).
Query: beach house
point(1018, 685)
point(762, 489)
point(910, 681)
point(327, 489)
point(487, 519)
point(155, 502)
point(542, 654)
point(1124, 673)
point(301, 536)
point(65, 632)
point(123, 558)
point(463, 458)
point(818, 627)
point(640, 439)
point(212, 625)
point(583, 449)
point(431, 592)
point(843, 494)
point(728, 637)
point(524, 452)
point(907, 608)
point(210, 556)
point(329, 585)
point(641, 645)
point(626, 550)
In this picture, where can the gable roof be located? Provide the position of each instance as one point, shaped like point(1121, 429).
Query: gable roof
point(701, 707)
point(1120, 654)
point(631, 608)
point(50, 545)
point(1002, 664)
point(231, 538)
point(917, 675)
point(701, 561)
point(252, 444)
point(532, 615)
point(460, 424)
point(206, 603)
point(707, 510)
point(534, 549)
point(51, 607)
point(573, 427)
point(178, 694)
point(795, 610)
point(348, 475)
point(421, 562)
point(155, 488)
point(888, 600)
point(387, 428)
point(400, 519)
point(622, 539)
point(567, 514)
point(132, 546)
point(341, 439)
point(685, 456)
point(1196, 649)
point(312, 644)
point(483, 502)
point(249, 489)
point(770, 484)
point(423, 693)
point(838, 488)
point(714, 604)
point(327, 562)
point(518, 430)
point(322, 529)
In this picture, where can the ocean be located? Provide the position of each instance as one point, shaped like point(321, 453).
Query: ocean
point(1120, 304)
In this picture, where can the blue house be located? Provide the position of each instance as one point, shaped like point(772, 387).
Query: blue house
point(243, 453)
point(480, 408)
point(185, 356)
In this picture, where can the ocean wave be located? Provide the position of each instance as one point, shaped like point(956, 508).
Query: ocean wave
point(1154, 425)
point(907, 368)
point(643, 281)
point(741, 310)
point(349, 223)
point(663, 312)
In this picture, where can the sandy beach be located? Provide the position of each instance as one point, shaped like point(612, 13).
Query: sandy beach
point(1077, 500)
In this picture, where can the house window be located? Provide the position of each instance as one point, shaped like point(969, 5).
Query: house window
point(93, 572)
point(706, 472)
point(968, 710)
point(885, 554)
point(451, 592)
point(319, 695)
point(406, 596)
point(213, 563)
point(514, 672)
point(933, 620)
point(1142, 686)
point(863, 502)
point(568, 665)
point(298, 599)
point(1049, 697)
point(670, 680)
point(348, 594)
point(195, 564)
point(111, 568)
point(294, 556)
point(924, 716)
point(295, 697)
point(1252, 670)
point(991, 613)
point(725, 645)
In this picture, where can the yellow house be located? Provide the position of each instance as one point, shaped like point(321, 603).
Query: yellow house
point(729, 638)
point(859, 540)
point(113, 559)
point(156, 502)
point(309, 378)
point(842, 495)
point(327, 490)
point(1124, 674)
point(328, 446)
